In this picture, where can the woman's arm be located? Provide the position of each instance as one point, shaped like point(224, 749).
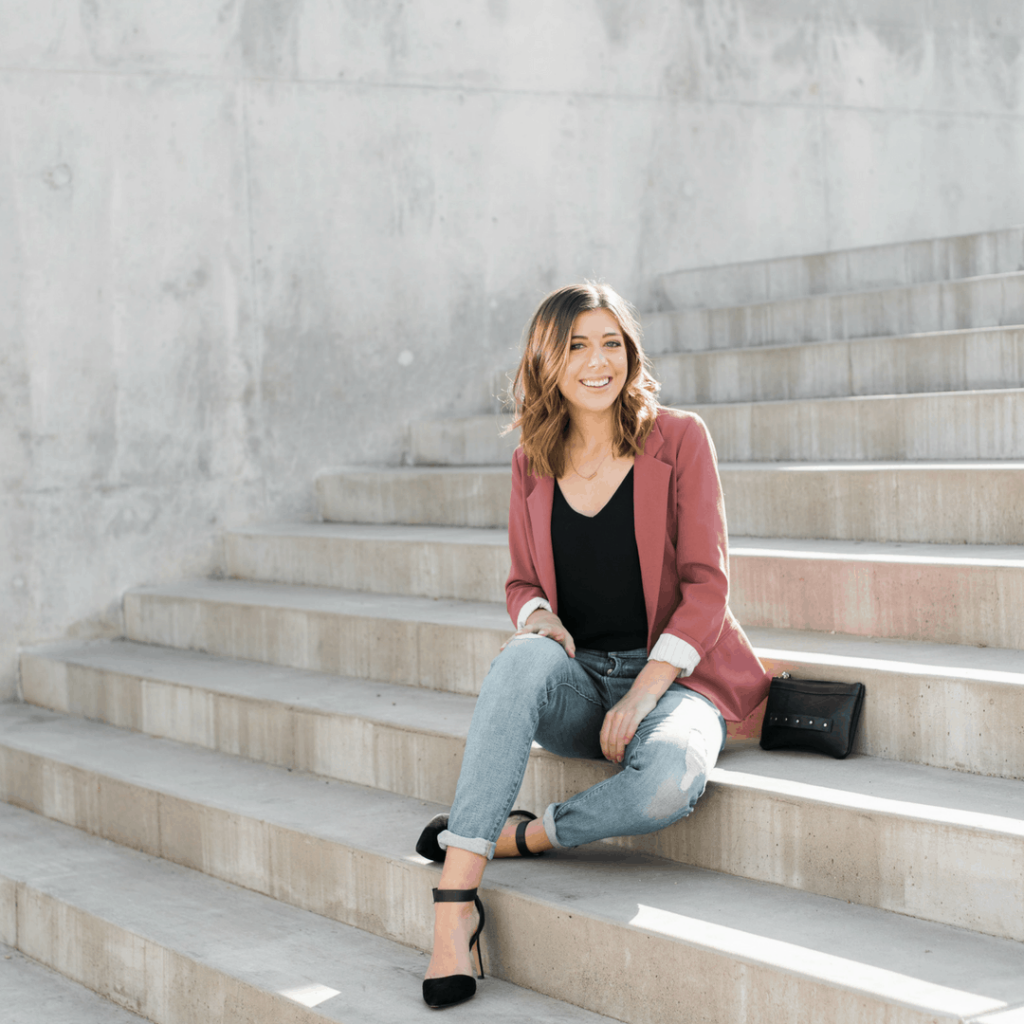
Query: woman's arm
point(622, 719)
point(523, 583)
point(702, 549)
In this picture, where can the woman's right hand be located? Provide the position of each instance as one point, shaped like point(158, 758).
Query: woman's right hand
point(546, 624)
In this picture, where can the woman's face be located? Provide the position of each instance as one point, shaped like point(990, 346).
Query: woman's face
point(597, 367)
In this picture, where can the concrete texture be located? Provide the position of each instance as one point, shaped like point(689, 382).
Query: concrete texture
point(245, 241)
point(878, 266)
point(862, 825)
point(947, 706)
point(732, 943)
point(992, 301)
point(950, 707)
point(961, 595)
point(940, 361)
point(937, 426)
point(930, 502)
point(922, 502)
point(125, 924)
point(443, 645)
point(425, 561)
point(965, 594)
point(478, 496)
point(33, 994)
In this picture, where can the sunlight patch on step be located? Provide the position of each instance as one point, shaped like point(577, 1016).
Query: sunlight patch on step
point(900, 667)
point(309, 995)
point(932, 813)
point(836, 970)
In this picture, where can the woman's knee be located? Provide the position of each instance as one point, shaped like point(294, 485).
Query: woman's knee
point(669, 782)
point(525, 666)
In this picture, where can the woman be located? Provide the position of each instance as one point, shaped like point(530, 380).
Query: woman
point(619, 591)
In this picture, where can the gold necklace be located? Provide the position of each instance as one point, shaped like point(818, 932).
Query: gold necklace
point(592, 475)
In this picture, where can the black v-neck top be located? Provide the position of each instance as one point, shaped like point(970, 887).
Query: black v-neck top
point(597, 569)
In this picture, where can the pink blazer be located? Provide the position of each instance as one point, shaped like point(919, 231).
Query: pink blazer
point(679, 520)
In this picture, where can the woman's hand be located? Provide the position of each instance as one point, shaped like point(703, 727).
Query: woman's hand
point(623, 719)
point(546, 624)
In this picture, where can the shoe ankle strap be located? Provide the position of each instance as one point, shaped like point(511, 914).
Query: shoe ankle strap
point(454, 895)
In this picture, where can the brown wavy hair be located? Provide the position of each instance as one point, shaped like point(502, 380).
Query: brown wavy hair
point(541, 411)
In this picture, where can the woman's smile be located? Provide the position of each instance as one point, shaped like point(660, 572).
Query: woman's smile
point(597, 366)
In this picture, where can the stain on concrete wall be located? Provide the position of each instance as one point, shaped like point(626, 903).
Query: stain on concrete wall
point(241, 240)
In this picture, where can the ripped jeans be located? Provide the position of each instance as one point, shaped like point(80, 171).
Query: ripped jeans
point(535, 691)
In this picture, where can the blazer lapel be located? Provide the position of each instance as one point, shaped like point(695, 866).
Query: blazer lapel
point(651, 479)
point(539, 504)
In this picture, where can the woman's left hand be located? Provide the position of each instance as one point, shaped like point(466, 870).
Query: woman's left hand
point(622, 719)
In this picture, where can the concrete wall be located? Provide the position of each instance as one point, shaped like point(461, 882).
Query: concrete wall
point(241, 240)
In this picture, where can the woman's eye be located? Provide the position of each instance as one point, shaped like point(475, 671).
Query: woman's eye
point(575, 345)
point(614, 343)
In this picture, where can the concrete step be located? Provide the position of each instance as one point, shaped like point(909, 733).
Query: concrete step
point(949, 594)
point(962, 594)
point(448, 646)
point(951, 707)
point(947, 426)
point(996, 300)
point(849, 270)
point(441, 645)
point(970, 360)
point(453, 496)
point(166, 936)
point(915, 502)
point(238, 820)
point(393, 738)
point(180, 946)
point(33, 994)
point(928, 502)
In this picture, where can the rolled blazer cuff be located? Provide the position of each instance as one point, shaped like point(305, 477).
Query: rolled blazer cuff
point(677, 652)
point(529, 608)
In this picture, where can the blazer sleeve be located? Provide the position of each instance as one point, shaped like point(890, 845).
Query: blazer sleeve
point(523, 582)
point(701, 543)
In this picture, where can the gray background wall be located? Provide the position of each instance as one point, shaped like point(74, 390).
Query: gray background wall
point(241, 240)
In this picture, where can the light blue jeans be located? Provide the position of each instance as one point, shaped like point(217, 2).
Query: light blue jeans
point(535, 691)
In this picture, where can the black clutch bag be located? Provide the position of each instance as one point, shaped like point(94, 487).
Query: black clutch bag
point(813, 715)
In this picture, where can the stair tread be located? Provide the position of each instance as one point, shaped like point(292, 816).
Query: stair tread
point(874, 784)
point(905, 398)
point(921, 259)
point(34, 994)
point(1005, 275)
point(964, 661)
point(991, 664)
point(437, 611)
point(802, 346)
point(921, 963)
point(342, 972)
point(877, 551)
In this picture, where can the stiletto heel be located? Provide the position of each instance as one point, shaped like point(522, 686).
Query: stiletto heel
point(456, 988)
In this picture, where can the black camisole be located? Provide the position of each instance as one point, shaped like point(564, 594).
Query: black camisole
point(597, 569)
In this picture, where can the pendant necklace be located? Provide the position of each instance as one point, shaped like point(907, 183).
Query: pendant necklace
point(592, 475)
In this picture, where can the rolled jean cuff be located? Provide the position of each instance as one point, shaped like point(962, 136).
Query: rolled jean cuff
point(482, 846)
point(549, 826)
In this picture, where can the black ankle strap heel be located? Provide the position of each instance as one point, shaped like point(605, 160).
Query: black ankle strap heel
point(456, 988)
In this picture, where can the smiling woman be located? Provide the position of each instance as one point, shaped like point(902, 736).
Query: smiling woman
point(625, 647)
point(582, 333)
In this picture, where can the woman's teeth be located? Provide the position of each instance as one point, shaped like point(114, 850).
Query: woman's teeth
point(596, 383)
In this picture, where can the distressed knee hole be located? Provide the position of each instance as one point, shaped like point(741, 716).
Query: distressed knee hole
point(676, 795)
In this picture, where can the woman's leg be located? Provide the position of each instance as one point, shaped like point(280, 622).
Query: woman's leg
point(663, 775)
point(532, 681)
point(454, 923)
